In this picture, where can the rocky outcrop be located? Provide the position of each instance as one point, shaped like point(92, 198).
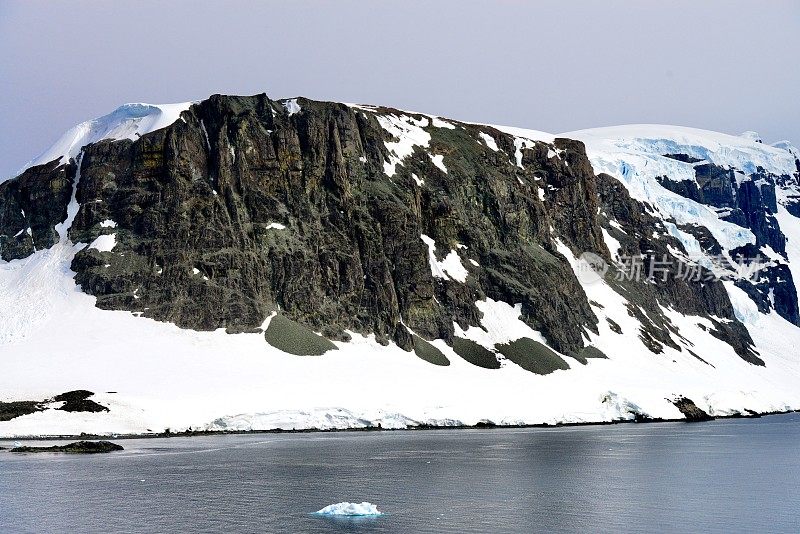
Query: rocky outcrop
point(78, 401)
point(78, 447)
point(31, 206)
point(690, 410)
point(14, 409)
point(73, 401)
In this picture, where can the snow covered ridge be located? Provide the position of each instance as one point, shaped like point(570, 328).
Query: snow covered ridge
point(129, 121)
point(740, 152)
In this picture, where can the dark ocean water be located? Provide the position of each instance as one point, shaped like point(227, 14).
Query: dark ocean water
point(739, 475)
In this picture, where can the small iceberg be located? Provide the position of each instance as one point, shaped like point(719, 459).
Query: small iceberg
point(350, 509)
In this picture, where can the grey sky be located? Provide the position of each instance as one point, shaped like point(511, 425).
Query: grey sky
point(549, 65)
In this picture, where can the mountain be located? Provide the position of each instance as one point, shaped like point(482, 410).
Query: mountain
point(246, 263)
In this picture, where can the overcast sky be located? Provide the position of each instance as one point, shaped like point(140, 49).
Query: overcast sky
point(557, 65)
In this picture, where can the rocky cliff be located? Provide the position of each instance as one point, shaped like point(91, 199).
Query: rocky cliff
point(313, 222)
point(248, 206)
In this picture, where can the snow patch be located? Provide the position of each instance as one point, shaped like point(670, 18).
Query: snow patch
point(108, 223)
point(612, 244)
point(438, 160)
point(489, 140)
point(408, 133)
point(275, 226)
point(292, 106)
point(450, 267)
point(436, 122)
point(104, 243)
point(72, 208)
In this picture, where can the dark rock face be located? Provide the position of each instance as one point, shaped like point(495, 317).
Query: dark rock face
point(690, 410)
point(240, 209)
point(78, 447)
point(11, 410)
point(74, 401)
point(31, 205)
point(78, 401)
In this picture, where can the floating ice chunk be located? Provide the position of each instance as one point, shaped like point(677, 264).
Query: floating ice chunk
point(350, 509)
point(105, 243)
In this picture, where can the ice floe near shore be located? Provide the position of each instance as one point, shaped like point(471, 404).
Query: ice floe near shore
point(350, 509)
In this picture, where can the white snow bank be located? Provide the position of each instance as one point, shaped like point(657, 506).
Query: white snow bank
point(351, 509)
point(275, 226)
point(105, 243)
point(325, 418)
point(129, 121)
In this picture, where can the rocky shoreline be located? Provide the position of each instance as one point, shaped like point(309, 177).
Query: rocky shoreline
point(78, 447)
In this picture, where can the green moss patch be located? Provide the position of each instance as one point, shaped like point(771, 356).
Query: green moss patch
point(294, 338)
point(475, 353)
point(532, 356)
point(592, 352)
point(429, 353)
